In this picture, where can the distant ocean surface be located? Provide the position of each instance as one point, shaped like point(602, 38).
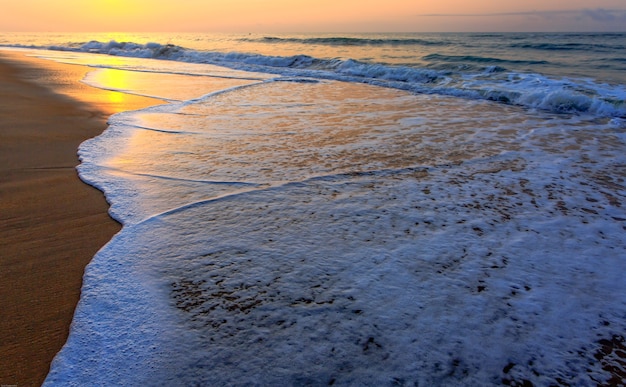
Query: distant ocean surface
point(354, 209)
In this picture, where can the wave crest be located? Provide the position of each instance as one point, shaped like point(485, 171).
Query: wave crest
point(488, 80)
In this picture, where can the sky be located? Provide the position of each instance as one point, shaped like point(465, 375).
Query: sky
point(311, 15)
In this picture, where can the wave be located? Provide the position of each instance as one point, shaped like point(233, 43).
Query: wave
point(479, 59)
point(569, 46)
point(490, 81)
point(347, 41)
point(548, 35)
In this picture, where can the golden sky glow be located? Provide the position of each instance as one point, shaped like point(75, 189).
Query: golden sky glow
point(310, 15)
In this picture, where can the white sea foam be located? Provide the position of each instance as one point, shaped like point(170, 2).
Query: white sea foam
point(329, 232)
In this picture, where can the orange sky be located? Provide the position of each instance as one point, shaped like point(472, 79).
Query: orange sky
point(311, 16)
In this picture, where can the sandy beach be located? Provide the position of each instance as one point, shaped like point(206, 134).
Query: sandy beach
point(51, 222)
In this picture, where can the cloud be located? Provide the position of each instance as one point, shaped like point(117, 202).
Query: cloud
point(597, 14)
point(534, 13)
point(570, 20)
point(604, 15)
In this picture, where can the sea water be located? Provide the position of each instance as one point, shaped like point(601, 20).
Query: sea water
point(438, 209)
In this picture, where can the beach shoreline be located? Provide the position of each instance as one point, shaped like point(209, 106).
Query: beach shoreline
point(314, 226)
point(51, 222)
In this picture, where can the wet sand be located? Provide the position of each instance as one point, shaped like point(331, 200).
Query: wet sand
point(51, 223)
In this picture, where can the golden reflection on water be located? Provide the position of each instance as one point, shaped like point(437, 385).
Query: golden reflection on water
point(173, 87)
point(113, 80)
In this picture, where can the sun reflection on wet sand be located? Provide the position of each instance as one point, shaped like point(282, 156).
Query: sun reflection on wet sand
point(171, 87)
point(113, 80)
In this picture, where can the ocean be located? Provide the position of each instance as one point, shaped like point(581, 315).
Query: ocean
point(354, 209)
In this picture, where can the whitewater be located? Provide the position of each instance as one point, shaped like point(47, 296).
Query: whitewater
point(433, 209)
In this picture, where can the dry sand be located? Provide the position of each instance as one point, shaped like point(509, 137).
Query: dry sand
point(51, 223)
